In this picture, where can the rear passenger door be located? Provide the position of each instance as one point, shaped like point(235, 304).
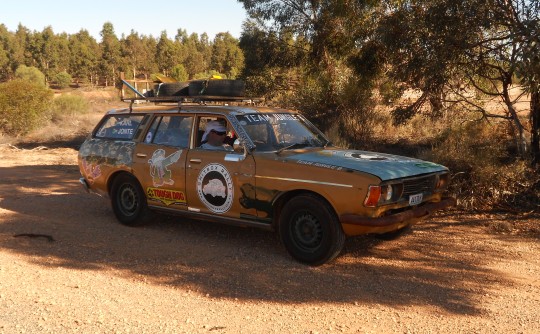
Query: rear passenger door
point(159, 162)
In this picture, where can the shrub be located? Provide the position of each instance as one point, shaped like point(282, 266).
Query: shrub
point(31, 74)
point(63, 80)
point(485, 176)
point(68, 105)
point(23, 106)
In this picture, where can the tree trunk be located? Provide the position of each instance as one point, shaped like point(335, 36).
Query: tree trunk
point(535, 125)
point(521, 141)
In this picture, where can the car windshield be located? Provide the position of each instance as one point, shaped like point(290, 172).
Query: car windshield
point(281, 131)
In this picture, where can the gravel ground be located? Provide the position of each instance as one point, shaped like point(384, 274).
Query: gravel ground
point(454, 273)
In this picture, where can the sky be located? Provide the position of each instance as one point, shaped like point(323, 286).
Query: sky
point(144, 17)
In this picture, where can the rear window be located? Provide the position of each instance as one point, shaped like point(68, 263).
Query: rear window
point(119, 127)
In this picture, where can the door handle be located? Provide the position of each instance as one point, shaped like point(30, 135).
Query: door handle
point(141, 155)
point(195, 161)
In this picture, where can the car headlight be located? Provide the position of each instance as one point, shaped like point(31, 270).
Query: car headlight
point(387, 192)
point(383, 194)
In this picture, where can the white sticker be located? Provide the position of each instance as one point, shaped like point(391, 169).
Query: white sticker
point(215, 188)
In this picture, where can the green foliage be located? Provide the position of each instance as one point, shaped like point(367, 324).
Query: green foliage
point(24, 105)
point(227, 57)
point(63, 80)
point(68, 105)
point(179, 73)
point(30, 74)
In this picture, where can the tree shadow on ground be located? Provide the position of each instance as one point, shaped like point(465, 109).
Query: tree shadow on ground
point(230, 262)
point(73, 142)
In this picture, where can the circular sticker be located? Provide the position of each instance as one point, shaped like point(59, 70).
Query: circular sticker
point(215, 188)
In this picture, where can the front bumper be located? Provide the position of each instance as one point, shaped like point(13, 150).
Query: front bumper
point(413, 214)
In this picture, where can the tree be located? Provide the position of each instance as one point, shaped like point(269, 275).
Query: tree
point(137, 52)
point(166, 55)
point(84, 53)
point(227, 57)
point(197, 60)
point(322, 34)
point(110, 54)
point(447, 48)
point(6, 47)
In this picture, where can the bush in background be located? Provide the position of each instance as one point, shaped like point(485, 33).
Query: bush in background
point(30, 74)
point(24, 105)
point(69, 105)
point(63, 80)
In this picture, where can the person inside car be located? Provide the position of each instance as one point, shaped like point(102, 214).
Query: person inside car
point(214, 136)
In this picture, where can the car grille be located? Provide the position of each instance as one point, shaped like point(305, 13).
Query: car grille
point(419, 185)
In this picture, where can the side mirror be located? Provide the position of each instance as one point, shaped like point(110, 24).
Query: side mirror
point(240, 152)
point(238, 146)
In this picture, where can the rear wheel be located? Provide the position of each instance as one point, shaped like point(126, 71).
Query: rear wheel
point(129, 201)
point(310, 230)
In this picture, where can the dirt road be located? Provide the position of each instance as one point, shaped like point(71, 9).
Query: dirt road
point(452, 274)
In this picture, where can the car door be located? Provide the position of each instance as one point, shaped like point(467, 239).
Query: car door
point(159, 162)
point(215, 178)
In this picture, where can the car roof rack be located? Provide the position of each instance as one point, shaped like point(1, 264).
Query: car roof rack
point(183, 99)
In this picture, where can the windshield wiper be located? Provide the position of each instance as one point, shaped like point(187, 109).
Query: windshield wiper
point(288, 147)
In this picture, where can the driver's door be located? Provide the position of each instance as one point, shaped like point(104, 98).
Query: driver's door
point(215, 180)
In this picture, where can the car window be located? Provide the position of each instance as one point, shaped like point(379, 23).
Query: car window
point(202, 127)
point(270, 132)
point(170, 130)
point(119, 127)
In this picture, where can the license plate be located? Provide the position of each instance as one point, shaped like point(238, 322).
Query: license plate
point(415, 199)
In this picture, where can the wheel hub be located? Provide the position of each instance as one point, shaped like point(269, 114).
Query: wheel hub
point(307, 231)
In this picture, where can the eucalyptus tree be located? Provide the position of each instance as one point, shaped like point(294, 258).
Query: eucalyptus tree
point(226, 55)
point(448, 49)
point(166, 54)
point(109, 63)
point(84, 57)
point(6, 45)
point(138, 54)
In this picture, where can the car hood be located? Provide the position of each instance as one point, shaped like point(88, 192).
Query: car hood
point(384, 166)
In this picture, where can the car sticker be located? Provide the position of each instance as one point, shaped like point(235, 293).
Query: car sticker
point(158, 167)
point(166, 196)
point(318, 164)
point(215, 188)
point(148, 138)
point(91, 170)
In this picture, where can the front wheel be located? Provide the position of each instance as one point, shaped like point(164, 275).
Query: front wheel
point(128, 201)
point(310, 230)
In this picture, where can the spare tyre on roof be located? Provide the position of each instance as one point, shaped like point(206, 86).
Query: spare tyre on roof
point(172, 89)
point(217, 87)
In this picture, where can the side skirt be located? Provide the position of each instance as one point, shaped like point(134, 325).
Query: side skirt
point(213, 218)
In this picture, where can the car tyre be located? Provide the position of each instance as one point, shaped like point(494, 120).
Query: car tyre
point(129, 201)
point(310, 230)
point(217, 87)
point(172, 89)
